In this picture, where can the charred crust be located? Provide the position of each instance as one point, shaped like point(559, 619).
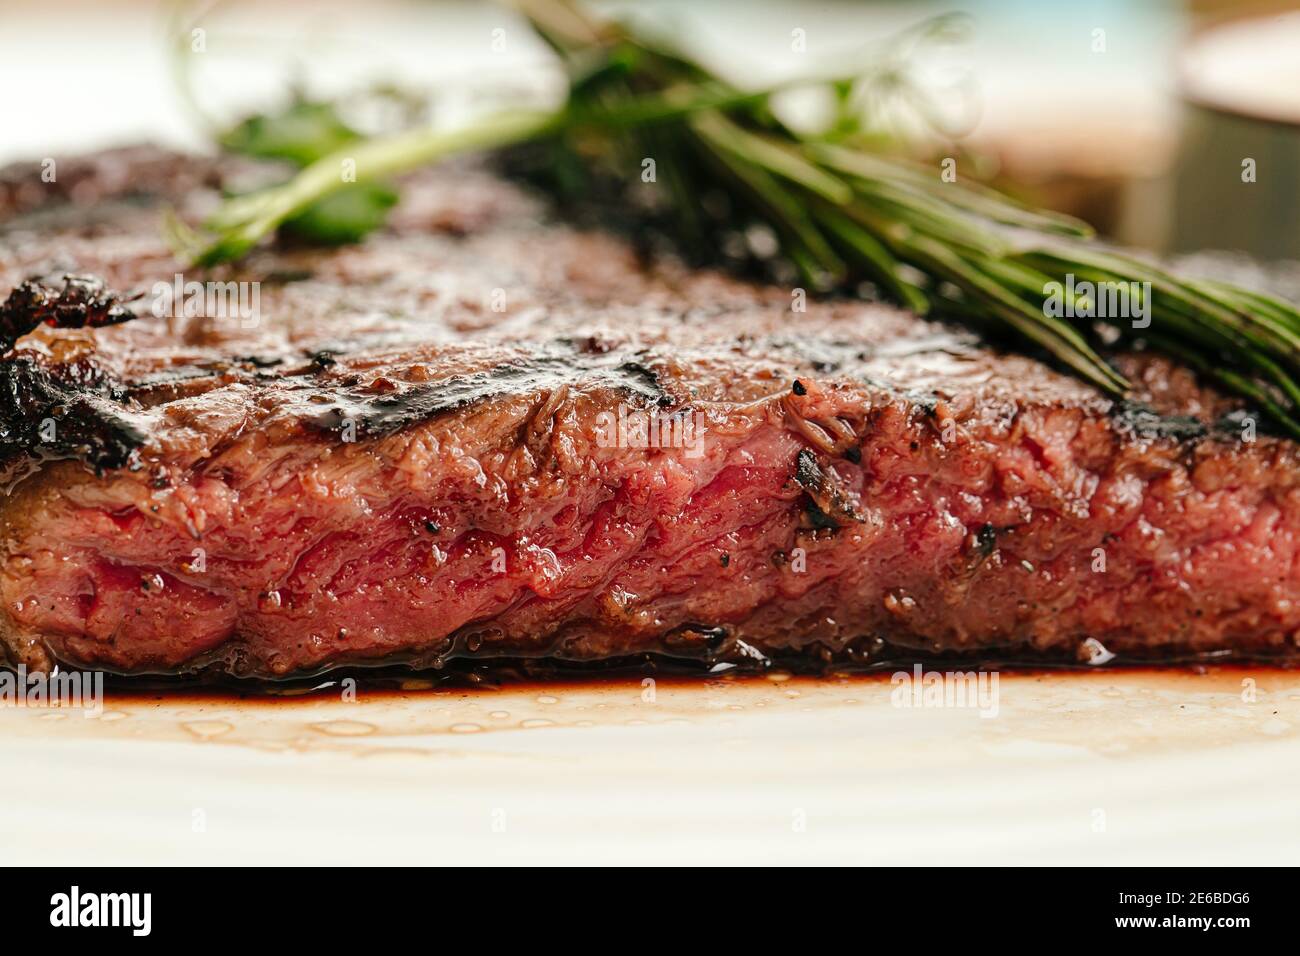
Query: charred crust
point(1231, 424)
point(1142, 421)
point(83, 302)
point(927, 405)
point(259, 361)
point(980, 545)
point(808, 473)
point(641, 380)
point(822, 357)
point(74, 410)
point(826, 506)
point(818, 519)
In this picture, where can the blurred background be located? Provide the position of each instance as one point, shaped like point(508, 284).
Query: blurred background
point(1169, 124)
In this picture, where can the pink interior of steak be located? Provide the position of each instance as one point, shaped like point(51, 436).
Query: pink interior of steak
point(297, 554)
point(450, 479)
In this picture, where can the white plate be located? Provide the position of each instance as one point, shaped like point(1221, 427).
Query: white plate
point(1098, 767)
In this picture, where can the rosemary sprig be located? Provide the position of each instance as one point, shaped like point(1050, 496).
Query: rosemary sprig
point(842, 210)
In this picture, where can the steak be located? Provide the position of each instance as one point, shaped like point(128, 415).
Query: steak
point(485, 434)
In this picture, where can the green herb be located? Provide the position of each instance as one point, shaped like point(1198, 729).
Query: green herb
point(301, 134)
point(841, 208)
point(304, 133)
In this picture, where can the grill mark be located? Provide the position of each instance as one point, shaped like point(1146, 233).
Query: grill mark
point(831, 356)
point(379, 415)
point(1142, 421)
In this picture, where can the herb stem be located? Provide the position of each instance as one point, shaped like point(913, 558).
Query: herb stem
point(248, 219)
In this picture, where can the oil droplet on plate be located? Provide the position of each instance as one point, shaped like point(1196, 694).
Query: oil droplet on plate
point(1273, 727)
point(499, 714)
point(465, 728)
point(537, 722)
point(345, 728)
point(208, 729)
point(548, 699)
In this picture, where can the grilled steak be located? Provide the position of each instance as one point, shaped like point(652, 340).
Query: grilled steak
point(482, 434)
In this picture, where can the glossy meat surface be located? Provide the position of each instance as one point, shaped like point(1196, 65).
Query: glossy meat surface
point(486, 434)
